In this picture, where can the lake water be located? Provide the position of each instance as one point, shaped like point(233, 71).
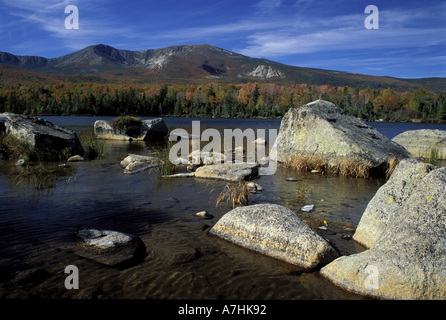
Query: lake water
point(37, 227)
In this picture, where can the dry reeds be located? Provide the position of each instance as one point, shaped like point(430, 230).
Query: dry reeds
point(347, 167)
point(235, 195)
point(391, 165)
point(303, 162)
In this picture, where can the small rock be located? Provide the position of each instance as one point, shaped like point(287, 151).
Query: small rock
point(75, 158)
point(191, 168)
point(260, 141)
point(254, 187)
point(202, 214)
point(20, 162)
point(307, 208)
point(291, 179)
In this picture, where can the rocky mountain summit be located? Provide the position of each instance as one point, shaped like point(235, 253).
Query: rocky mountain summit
point(195, 63)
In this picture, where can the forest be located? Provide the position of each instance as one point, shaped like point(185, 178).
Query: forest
point(217, 100)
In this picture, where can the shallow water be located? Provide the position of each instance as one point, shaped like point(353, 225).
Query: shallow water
point(37, 227)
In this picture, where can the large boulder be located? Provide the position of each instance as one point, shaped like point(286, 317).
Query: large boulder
point(389, 200)
point(424, 142)
point(229, 171)
point(408, 260)
point(275, 231)
point(322, 129)
point(47, 140)
point(143, 130)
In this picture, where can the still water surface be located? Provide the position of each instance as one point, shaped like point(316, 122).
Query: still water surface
point(37, 226)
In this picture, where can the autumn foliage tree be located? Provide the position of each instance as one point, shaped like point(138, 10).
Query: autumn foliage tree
point(216, 99)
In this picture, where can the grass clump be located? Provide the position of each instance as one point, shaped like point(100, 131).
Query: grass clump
point(235, 195)
point(165, 166)
point(433, 155)
point(347, 167)
point(391, 165)
point(303, 162)
point(12, 148)
point(124, 122)
point(37, 175)
point(93, 146)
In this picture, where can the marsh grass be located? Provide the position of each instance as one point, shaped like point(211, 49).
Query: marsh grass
point(433, 155)
point(347, 167)
point(37, 175)
point(12, 148)
point(165, 167)
point(93, 146)
point(303, 191)
point(391, 165)
point(235, 195)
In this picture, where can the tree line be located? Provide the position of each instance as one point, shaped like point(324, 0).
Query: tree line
point(217, 100)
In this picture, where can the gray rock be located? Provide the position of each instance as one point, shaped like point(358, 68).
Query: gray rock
point(134, 163)
point(275, 231)
point(389, 199)
point(154, 129)
point(421, 143)
point(322, 129)
point(408, 261)
point(109, 247)
point(76, 158)
point(229, 171)
point(45, 138)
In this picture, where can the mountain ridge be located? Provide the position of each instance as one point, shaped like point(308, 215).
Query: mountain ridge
point(197, 63)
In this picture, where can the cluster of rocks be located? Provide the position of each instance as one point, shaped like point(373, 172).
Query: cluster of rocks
point(403, 226)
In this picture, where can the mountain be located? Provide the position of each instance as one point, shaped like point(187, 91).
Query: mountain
point(192, 64)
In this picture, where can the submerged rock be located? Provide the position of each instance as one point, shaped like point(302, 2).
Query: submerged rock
point(423, 143)
point(322, 129)
point(154, 129)
point(275, 231)
point(229, 171)
point(47, 140)
point(407, 260)
point(109, 247)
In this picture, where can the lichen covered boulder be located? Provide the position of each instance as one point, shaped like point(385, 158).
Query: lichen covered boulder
point(135, 130)
point(322, 129)
point(275, 231)
point(408, 259)
point(389, 200)
point(424, 142)
point(46, 140)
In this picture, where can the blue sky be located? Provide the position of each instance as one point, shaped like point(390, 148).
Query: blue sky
point(328, 34)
